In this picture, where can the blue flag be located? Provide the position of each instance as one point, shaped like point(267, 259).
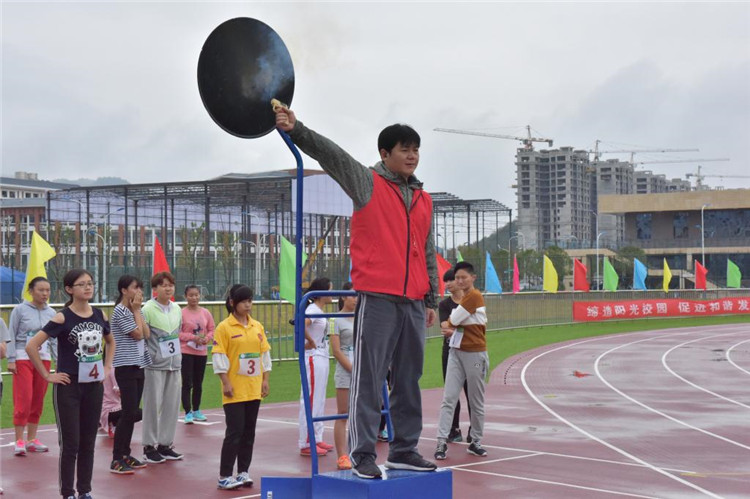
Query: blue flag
point(491, 281)
point(639, 275)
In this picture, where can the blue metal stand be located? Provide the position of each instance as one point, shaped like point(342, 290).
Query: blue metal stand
point(395, 484)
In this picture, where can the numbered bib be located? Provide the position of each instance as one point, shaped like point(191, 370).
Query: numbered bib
point(456, 337)
point(250, 365)
point(169, 345)
point(90, 369)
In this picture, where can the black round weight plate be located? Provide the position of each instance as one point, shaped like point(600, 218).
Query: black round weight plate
point(243, 65)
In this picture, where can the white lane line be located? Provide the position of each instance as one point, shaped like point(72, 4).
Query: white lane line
point(730, 359)
point(246, 497)
point(550, 482)
point(593, 437)
point(648, 407)
point(567, 456)
point(479, 463)
point(666, 366)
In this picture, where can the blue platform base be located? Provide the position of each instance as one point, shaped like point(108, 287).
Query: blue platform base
point(395, 484)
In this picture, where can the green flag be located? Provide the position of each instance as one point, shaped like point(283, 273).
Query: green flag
point(734, 276)
point(459, 258)
point(287, 275)
point(611, 279)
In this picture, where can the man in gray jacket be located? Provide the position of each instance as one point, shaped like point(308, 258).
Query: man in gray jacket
point(394, 270)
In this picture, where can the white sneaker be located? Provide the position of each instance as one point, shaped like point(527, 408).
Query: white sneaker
point(20, 448)
point(228, 483)
point(245, 479)
point(36, 446)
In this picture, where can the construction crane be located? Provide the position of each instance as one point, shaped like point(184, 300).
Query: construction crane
point(633, 152)
point(527, 141)
point(699, 177)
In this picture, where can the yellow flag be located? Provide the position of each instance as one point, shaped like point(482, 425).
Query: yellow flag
point(550, 276)
point(667, 276)
point(41, 251)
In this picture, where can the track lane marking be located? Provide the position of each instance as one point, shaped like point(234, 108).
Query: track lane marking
point(620, 451)
point(730, 359)
point(550, 482)
point(694, 385)
point(648, 407)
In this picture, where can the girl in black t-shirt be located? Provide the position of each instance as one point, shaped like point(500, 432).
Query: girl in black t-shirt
point(81, 368)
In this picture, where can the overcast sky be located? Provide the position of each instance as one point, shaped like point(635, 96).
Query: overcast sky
point(109, 89)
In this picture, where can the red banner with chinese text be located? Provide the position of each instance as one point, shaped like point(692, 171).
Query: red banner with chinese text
point(668, 307)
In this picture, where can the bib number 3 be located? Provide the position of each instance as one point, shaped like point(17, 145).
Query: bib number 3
point(249, 365)
point(169, 346)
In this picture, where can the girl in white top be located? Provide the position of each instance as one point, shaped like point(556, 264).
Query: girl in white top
point(342, 347)
point(317, 366)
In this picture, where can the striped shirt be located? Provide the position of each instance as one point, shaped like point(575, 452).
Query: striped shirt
point(128, 352)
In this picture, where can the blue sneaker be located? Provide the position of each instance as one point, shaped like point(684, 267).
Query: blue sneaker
point(228, 483)
point(199, 416)
point(87, 495)
point(189, 418)
point(244, 479)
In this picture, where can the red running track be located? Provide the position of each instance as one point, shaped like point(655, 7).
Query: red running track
point(646, 414)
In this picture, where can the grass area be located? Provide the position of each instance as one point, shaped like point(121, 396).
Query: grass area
point(501, 345)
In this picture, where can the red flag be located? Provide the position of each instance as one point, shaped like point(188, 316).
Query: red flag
point(443, 267)
point(160, 260)
point(516, 279)
point(579, 276)
point(700, 276)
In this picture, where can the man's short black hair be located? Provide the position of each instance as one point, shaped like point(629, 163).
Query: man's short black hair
point(392, 135)
point(464, 266)
point(449, 275)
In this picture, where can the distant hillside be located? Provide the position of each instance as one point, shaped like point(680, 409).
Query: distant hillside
point(88, 182)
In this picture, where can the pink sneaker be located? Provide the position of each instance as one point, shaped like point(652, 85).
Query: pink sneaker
point(36, 446)
point(318, 450)
point(20, 449)
point(326, 447)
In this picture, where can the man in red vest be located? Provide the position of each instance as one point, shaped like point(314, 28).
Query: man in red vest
point(394, 270)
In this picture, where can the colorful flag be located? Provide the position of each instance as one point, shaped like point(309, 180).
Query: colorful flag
point(459, 258)
point(287, 273)
point(41, 252)
point(734, 276)
point(640, 272)
point(550, 276)
point(667, 276)
point(159, 263)
point(611, 279)
point(516, 277)
point(491, 281)
point(443, 266)
point(700, 276)
point(580, 283)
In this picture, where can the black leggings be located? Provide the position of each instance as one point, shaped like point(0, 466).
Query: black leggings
point(77, 408)
point(193, 369)
point(239, 438)
point(130, 379)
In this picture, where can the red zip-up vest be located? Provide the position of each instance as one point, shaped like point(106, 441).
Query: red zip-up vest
point(388, 242)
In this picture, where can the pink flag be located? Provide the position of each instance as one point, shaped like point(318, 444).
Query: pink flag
point(516, 280)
